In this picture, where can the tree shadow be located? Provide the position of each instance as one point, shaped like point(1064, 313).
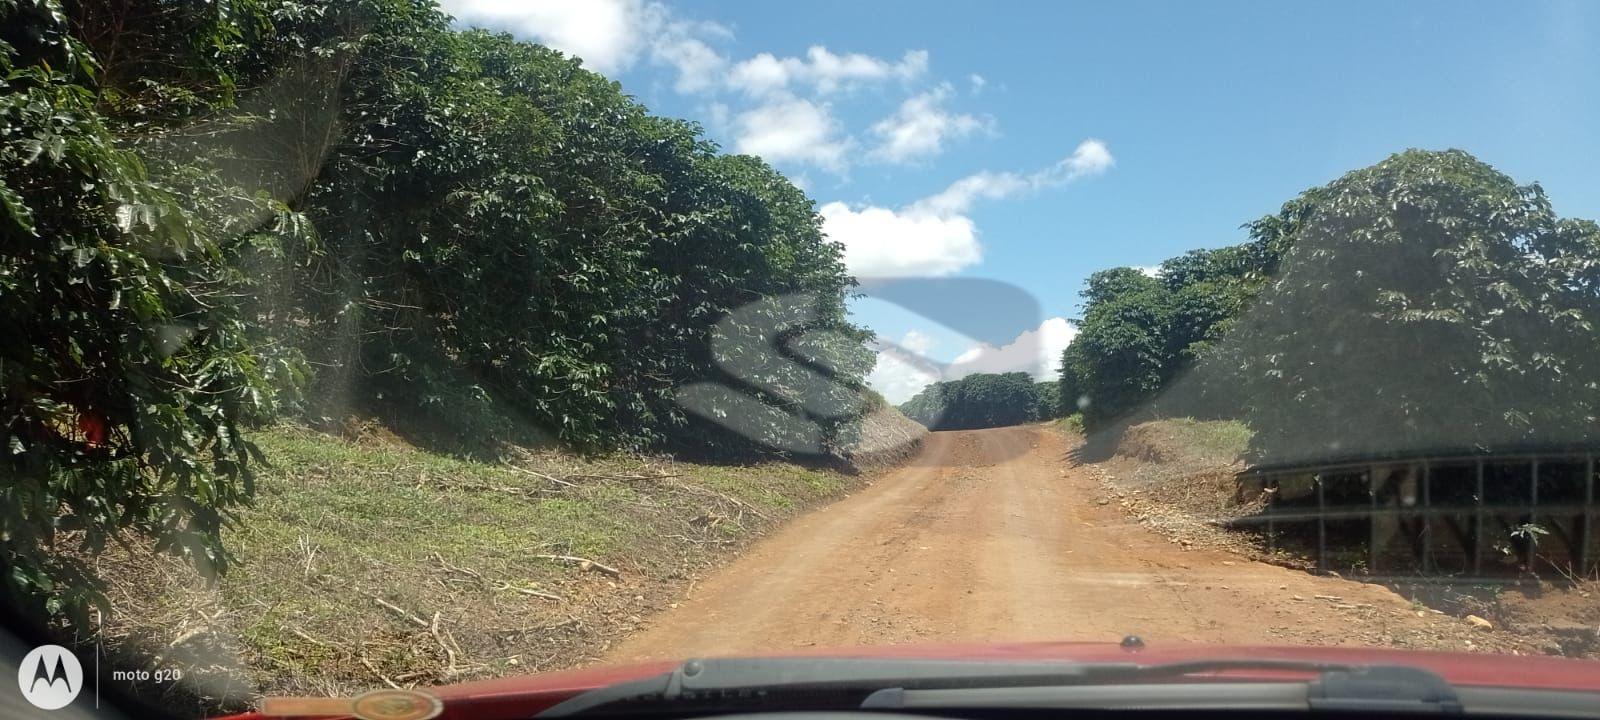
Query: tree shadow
point(1098, 446)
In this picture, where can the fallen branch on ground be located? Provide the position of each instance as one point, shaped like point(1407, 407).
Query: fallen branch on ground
point(452, 568)
point(620, 478)
point(450, 654)
point(396, 609)
point(502, 585)
point(584, 563)
point(381, 676)
point(712, 493)
point(540, 475)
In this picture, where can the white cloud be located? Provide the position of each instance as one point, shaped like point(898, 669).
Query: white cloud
point(822, 70)
point(917, 342)
point(760, 74)
point(1036, 352)
point(699, 67)
point(977, 83)
point(1149, 270)
point(879, 242)
point(791, 129)
point(902, 370)
point(898, 380)
point(681, 44)
point(1091, 157)
point(960, 196)
point(607, 34)
point(920, 127)
point(933, 236)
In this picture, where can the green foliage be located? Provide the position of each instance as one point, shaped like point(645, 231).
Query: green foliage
point(505, 221)
point(981, 400)
point(1047, 400)
point(1452, 309)
point(127, 370)
point(1425, 302)
point(1139, 333)
point(1119, 357)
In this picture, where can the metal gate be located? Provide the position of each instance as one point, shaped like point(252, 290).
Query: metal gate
point(1484, 516)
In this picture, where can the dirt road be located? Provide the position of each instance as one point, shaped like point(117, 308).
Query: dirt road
point(994, 535)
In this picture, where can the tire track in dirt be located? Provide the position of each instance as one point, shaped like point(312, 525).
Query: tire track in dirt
point(993, 535)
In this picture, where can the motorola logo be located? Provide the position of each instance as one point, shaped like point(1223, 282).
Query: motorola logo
point(50, 677)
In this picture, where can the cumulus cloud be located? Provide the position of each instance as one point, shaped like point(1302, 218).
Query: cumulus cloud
point(791, 129)
point(1090, 157)
point(934, 236)
point(821, 70)
point(903, 370)
point(880, 242)
point(782, 118)
point(607, 34)
point(917, 342)
point(920, 127)
point(960, 196)
point(699, 67)
point(1036, 352)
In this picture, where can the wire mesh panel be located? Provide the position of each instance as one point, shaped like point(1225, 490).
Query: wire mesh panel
point(1456, 516)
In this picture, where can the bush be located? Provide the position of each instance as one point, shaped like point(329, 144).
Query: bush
point(128, 371)
point(1453, 310)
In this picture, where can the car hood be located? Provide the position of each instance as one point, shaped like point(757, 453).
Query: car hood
point(522, 696)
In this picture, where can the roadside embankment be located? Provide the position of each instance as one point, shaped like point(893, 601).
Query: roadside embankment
point(1177, 477)
point(369, 562)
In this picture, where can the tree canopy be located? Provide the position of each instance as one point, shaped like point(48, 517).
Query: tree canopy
point(1140, 331)
point(1428, 302)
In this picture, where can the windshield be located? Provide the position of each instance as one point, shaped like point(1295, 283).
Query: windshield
point(396, 344)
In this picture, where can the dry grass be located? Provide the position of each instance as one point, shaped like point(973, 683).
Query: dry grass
point(372, 563)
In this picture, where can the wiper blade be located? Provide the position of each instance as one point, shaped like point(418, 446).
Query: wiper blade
point(820, 682)
point(724, 685)
point(1388, 689)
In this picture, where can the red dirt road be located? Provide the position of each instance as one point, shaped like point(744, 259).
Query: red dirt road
point(994, 535)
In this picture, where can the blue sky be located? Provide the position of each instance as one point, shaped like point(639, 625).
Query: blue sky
point(1035, 143)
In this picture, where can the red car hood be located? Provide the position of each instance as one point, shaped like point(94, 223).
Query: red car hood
point(520, 697)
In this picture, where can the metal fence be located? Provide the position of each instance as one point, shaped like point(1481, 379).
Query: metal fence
point(1484, 516)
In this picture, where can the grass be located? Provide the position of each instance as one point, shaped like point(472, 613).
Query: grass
point(1221, 440)
point(369, 563)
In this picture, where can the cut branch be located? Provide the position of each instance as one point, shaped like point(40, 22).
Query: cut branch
point(584, 563)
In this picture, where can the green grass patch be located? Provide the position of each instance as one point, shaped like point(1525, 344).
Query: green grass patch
point(1223, 440)
point(352, 548)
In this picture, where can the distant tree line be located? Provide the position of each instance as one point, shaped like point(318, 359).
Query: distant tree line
point(219, 214)
point(983, 400)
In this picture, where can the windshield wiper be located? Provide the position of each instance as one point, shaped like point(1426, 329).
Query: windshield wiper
point(731, 685)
